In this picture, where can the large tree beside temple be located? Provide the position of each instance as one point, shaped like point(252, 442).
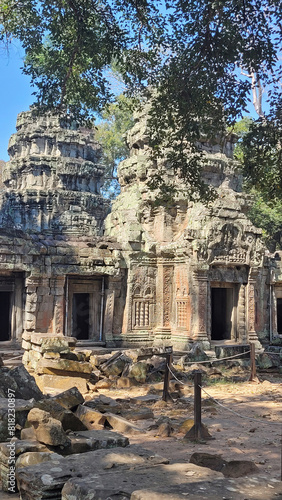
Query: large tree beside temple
point(202, 58)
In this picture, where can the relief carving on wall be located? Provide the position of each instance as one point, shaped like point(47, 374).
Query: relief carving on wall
point(143, 292)
point(167, 291)
point(230, 243)
point(182, 297)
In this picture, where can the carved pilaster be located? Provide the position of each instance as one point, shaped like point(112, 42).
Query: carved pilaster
point(251, 306)
point(164, 300)
point(200, 315)
point(109, 314)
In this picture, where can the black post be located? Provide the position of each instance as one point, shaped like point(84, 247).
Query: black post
point(197, 404)
point(253, 376)
point(166, 394)
point(198, 432)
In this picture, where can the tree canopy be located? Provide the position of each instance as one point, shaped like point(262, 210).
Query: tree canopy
point(202, 58)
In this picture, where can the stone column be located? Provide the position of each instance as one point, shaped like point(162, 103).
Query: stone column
point(251, 307)
point(109, 312)
point(31, 305)
point(57, 289)
point(164, 300)
point(200, 307)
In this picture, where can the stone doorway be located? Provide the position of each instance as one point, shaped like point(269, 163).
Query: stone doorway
point(81, 316)
point(222, 313)
point(5, 315)
point(279, 315)
point(84, 309)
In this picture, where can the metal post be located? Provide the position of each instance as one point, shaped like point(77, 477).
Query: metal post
point(166, 394)
point(198, 431)
point(253, 376)
point(197, 404)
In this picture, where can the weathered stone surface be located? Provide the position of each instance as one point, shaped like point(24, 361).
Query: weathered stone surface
point(122, 425)
point(19, 380)
point(48, 479)
point(9, 455)
point(81, 442)
point(161, 482)
point(51, 366)
point(104, 404)
point(139, 371)
point(36, 457)
point(50, 383)
point(124, 382)
point(48, 430)
point(22, 408)
point(66, 417)
point(232, 468)
point(91, 419)
point(69, 399)
point(104, 383)
point(138, 414)
point(114, 365)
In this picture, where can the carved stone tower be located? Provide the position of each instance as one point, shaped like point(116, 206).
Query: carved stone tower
point(53, 178)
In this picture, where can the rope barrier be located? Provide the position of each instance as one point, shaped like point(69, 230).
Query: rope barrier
point(238, 414)
point(180, 381)
point(217, 360)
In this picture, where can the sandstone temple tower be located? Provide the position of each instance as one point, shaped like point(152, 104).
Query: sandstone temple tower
point(134, 273)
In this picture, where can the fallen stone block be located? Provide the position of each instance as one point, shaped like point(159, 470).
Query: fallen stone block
point(69, 421)
point(138, 414)
point(161, 482)
point(122, 425)
point(115, 365)
point(46, 481)
point(9, 454)
point(232, 468)
point(36, 457)
point(22, 408)
point(48, 430)
point(125, 382)
point(91, 419)
point(69, 399)
point(84, 441)
point(104, 404)
point(49, 383)
point(24, 384)
point(51, 366)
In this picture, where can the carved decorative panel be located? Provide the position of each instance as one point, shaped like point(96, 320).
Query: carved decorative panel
point(182, 297)
point(167, 291)
point(143, 298)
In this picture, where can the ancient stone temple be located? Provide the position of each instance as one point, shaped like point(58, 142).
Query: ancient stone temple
point(134, 273)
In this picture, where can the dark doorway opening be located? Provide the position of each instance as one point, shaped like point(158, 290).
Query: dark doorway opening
point(279, 316)
point(222, 308)
point(5, 322)
point(81, 316)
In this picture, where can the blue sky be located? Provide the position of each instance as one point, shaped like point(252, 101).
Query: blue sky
point(15, 94)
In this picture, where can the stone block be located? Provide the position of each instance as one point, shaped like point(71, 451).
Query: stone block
point(92, 419)
point(54, 365)
point(22, 409)
point(68, 419)
point(26, 384)
point(46, 481)
point(49, 383)
point(9, 456)
point(48, 430)
point(120, 424)
point(69, 399)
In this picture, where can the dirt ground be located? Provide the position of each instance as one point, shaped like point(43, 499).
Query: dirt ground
point(246, 425)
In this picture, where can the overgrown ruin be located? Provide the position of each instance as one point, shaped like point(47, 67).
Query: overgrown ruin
point(131, 274)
